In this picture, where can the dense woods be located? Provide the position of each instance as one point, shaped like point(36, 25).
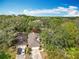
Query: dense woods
point(59, 35)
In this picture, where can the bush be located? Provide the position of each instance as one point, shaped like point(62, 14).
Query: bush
point(4, 55)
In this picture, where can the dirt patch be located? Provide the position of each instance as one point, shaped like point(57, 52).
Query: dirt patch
point(44, 55)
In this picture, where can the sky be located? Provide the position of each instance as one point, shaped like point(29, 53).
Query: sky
point(40, 7)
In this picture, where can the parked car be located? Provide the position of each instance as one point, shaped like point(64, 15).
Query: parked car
point(19, 51)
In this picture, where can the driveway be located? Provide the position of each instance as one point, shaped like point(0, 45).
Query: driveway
point(36, 53)
point(22, 55)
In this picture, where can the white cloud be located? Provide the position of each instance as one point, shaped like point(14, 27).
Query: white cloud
point(59, 11)
point(43, 11)
point(73, 7)
point(73, 13)
point(70, 11)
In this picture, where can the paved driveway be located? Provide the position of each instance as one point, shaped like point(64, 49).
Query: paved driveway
point(20, 56)
point(36, 53)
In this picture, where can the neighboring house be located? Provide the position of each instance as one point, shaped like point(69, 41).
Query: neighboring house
point(21, 38)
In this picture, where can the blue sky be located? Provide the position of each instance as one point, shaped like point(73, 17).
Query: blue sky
point(40, 7)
